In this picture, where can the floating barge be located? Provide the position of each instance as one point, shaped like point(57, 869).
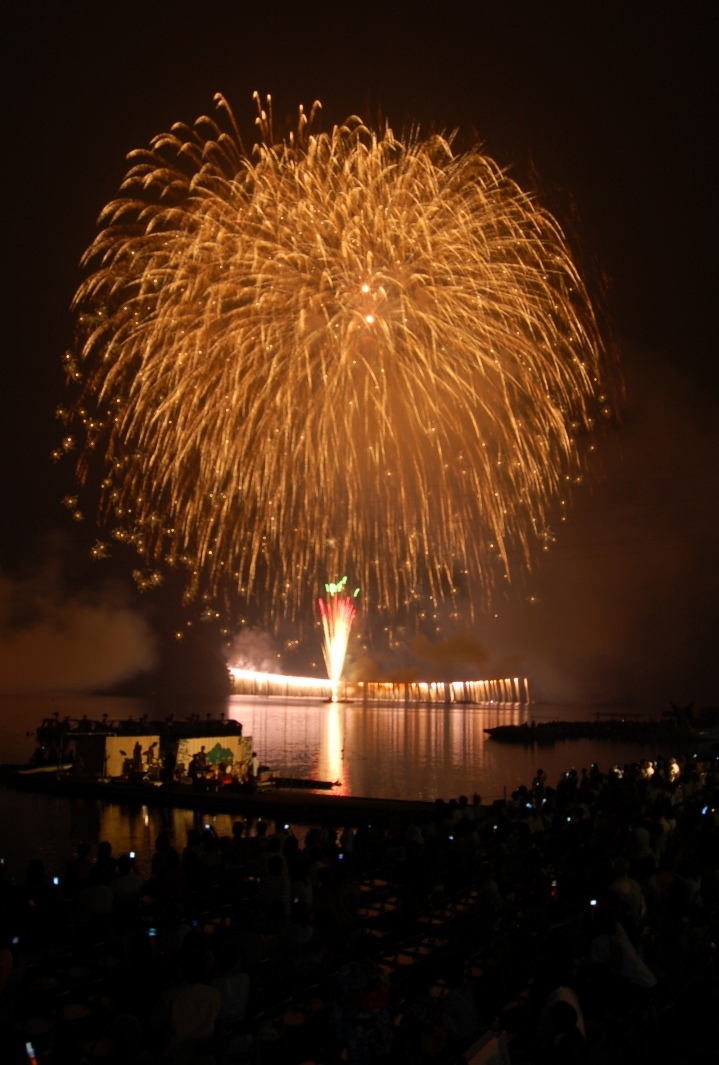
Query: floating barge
point(290, 804)
point(294, 800)
point(134, 749)
point(146, 763)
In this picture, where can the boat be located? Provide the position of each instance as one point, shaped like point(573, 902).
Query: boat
point(670, 728)
point(304, 784)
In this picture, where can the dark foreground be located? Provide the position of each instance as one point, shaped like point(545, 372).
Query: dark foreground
point(299, 805)
point(580, 921)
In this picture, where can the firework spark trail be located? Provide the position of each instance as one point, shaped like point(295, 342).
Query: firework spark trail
point(337, 614)
point(341, 337)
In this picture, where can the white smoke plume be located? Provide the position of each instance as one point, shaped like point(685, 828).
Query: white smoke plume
point(253, 649)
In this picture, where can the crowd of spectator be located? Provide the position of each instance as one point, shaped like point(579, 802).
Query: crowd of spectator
point(578, 920)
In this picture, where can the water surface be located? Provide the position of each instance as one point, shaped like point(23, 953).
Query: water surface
point(415, 752)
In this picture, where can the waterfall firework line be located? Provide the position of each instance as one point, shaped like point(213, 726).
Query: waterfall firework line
point(342, 338)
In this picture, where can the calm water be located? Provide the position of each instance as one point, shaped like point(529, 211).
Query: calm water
point(419, 752)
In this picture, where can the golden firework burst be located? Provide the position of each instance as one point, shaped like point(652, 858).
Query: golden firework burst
point(344, 338)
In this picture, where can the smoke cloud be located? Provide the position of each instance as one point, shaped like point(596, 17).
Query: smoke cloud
point(55, 641)
point(624, 607)
point(254, 649)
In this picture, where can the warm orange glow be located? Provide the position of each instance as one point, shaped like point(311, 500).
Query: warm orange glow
point(342, 337)
point(493, 692)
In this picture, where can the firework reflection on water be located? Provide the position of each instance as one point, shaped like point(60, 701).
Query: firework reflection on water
point(421, 752)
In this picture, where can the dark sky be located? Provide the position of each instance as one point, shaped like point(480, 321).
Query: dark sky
point(612, 105)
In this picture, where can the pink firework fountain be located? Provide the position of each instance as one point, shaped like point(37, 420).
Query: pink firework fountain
point(337, 612)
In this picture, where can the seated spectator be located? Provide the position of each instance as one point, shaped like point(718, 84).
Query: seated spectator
point(124, 1044)
point(336, 906)
point(105, 867)
point(489, 903)
point(272, 850)
point(78, 871)
point(298, 869)
point(170, 934)
point(565, 1043)
point(240, 846)
point(628, 893)
point(275, 886)
point(163, 848)
point(359, 1013)
point(232, 984)
point(168, 885)
point(459, 1005)
point(185, 1015)
point(38, 901)
point(553, 984)
point(126, 887)
point(299, 932)
point(612, 948)
point(95, 900)
point(37, 887)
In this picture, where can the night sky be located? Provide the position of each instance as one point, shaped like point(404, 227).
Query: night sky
point(607, 108)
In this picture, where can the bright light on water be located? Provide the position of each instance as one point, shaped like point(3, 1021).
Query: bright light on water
point(416, 752)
